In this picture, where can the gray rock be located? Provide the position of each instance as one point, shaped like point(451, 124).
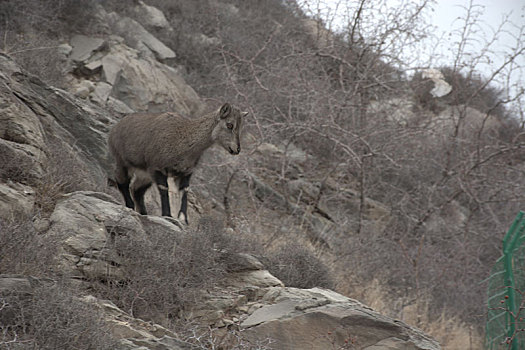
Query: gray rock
point(20, 162)
point(81, 92)
point(18, 123)
point(84, 88)
point(118, 106)
point(257, 278)
point(150, 16)
point(40, 117)
point(112, 67)
point(64, 49)
point(319, 319)
point(85, 223)
point(144, 84)
point(101, 93)
point(135, 36)
point(92, 68)
point(242, 262)
point(15, 198)
point(84, 47)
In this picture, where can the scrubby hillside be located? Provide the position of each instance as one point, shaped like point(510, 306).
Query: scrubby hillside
point(354, 176)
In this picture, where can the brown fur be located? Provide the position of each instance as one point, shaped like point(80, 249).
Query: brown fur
point(169, 144)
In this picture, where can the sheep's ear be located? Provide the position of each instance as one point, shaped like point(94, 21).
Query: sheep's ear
point(225, 110)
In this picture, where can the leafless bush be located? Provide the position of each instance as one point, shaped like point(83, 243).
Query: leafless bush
point(22, 249)
point(165, 272)
point(298, 267)
point(64, 172)
point(317, 92)
point(16, 166)
point(50, 317)
point(220, 338)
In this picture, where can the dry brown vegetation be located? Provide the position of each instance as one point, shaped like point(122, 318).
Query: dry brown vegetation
point(50, 317)
point(451, 189)
point(296, 266)
point(177, 269)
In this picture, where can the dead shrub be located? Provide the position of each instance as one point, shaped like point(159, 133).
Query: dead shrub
point(220, 338)
point(297, 267)
point(64, 172)
point(50, 317)
point(22, 249)
point(16, 165)
point(166, 272)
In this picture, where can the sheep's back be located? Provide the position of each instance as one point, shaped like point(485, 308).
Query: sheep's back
point(146, 140)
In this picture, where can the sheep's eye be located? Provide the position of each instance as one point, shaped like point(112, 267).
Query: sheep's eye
point(229, 126)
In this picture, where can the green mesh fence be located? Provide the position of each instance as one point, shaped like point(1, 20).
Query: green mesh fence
point(506, 293)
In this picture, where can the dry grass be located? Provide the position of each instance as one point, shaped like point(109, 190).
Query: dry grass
point(23, 250)
point(166, 272)
point(298, 267)
point(50, 317)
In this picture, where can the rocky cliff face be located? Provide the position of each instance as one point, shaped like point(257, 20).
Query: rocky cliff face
point(54, 166)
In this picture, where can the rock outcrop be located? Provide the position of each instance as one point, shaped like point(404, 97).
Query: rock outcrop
point(249, 299)
point(318, 319)
point(86, 223)
point(39, 122)
point(125, 70)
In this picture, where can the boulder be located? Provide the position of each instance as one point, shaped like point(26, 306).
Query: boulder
point(121, 73)
point(20, 162)
point(84, 88)
point(321, 319)
point(84, 47)
point(441, 87)
point(101, 93)
point(18, 123)
point(134, 34)
point(85, 223)
point(64, 50)
point(147, 85)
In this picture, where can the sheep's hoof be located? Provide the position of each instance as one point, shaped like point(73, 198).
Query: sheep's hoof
point(175, 222)
point(182, 217)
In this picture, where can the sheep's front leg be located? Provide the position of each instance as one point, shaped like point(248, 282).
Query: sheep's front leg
point(162, 184)
point(184, 184)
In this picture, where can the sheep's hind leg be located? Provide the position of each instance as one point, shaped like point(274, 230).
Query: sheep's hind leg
point(138, 197)
point(123, 181)
point(184, 184)
point(162, 184)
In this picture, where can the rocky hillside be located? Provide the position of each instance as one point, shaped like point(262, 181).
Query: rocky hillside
point(354, 182)
point(44, 126)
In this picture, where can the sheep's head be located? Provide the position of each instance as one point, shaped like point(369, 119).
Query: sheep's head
point(228, 129)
